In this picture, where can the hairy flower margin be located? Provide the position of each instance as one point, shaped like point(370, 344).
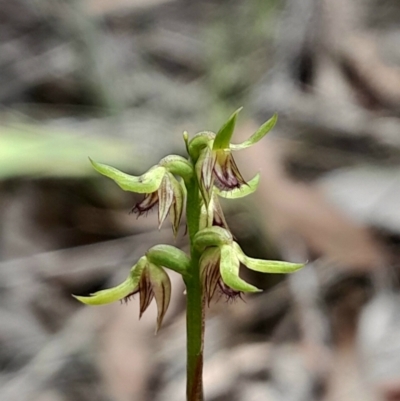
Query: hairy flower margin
point(212, 165)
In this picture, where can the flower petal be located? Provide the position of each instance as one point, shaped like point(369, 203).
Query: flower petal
point(218, 214)
point(165, 198)
point(146, 183)
point(204, 171)
point(177, 205)
point(229, 268)
point(227, 174)
point(209, 271)
point(242, 191)
point(266, 266)
point(161, 285)
point(259, 134)
point(144, 206)
point(146, 292)
point(224, 135)
point(206, 215)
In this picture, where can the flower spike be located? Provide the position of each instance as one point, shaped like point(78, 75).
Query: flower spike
point(213, 261)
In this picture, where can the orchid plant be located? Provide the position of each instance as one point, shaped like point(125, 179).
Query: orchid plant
point(213, 264)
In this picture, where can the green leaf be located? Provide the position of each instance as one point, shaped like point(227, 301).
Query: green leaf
point(146, 183)
point(36, 150)
point(229, 268)
point(242, 191)
point(259, 134)
point(224, 135)
point(266, 266)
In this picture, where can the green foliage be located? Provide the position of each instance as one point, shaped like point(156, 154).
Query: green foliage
point(36, 151)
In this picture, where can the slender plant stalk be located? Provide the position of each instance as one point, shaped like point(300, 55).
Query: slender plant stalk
point(195, 303)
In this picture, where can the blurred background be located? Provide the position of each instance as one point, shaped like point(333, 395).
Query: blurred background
point(119, 81)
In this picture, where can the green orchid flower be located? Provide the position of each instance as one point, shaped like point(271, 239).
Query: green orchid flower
point(220, 263)
point(214, 162)
point(147, 279)
point(159, 186)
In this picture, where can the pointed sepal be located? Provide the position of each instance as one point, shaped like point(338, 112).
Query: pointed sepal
point(146, 183)
point(242, 191)
point(121, 291)
point(110, 295)
point(176, 209)
point(161, 288)
point(258, 135)
point(210, 275)
point(218, 217)
point(204, 172)
point(229, 267)
point(266, 266)
point(226, 172)
point(223, 138)
point(165, 198)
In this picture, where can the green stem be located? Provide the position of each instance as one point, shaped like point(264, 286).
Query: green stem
point(195, 302)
